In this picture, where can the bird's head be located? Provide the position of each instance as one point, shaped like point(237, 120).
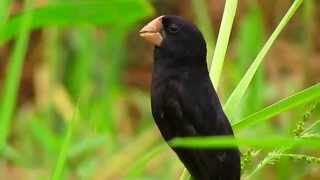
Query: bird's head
point(176, 38)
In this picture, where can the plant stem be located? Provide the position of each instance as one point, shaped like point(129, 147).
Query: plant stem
point(223, 40)
point(235, 98)
point(13, 74)
point(58, 171)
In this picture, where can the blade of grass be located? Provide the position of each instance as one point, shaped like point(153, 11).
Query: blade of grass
point(223, 40)
point(44, 135)
point(236, 96)
point(58, 170)
point(81, 67)
point(114, 49)
point(300, 131)
point(295, 100)
point(4, 11)
point(257, 142)
point(75, 13)
point(309, 17)
point(251, 37)
point(12, 79)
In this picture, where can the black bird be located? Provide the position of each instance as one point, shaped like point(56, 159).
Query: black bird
point(184, 102)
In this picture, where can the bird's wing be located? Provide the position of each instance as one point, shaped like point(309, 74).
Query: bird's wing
point(200, 117)
point(199, 110)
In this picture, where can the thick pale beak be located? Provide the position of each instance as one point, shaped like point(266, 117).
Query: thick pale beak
point(152, 31)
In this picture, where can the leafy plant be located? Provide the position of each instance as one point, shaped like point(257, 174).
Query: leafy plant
point(112, 135)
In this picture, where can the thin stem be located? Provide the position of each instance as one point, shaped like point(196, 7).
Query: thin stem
point(223, 40)
point(13, 75)
point(235, 98)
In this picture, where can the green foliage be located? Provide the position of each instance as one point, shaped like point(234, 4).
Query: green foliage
point(301, 158)
point(4, 8)
point(247, 48)
point(85, 57)
point(269, 142)
point(246, 159)
point(222, 41)
point(13, 75)
point(61, 161)
point(235, 98)
point(298, 99)
point(81, 13)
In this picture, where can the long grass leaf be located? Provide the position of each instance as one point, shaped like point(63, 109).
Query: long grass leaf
point(223, 40)
point(4, 11)
point(295, 100)
point(13, 74)
point(251, 35)
point(235, 98)
point(63, 154)
point(257, 142)
point(77, 13)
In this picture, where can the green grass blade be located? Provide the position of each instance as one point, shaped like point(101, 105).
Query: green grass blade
point(251, 38)
point(295, 100)
point(12, 80)
point(63, 154)
point(77, 13)
point(44, 136)
point(223, 40)
point(234, 100)
point(81, 67)
point(272, 156)
point(257, 142)
point(4, 11)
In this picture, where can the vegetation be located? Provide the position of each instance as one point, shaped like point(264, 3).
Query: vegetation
point(74, 103)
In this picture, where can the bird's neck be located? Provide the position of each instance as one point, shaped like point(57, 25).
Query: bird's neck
point(167, 68)
point(179, 63)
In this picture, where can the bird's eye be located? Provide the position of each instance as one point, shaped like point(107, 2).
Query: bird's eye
point(173, 28)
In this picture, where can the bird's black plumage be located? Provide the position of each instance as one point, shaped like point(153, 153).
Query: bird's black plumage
point(184, 102)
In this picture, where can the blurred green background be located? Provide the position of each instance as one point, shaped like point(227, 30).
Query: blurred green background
point(75, 76)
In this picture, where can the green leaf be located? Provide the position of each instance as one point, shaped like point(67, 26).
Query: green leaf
point(44, 135)
point(257, 142)
point(13, 74)
point(4, 8)
point(295, 100)
point(62, 157)
point(223, 40)
point(111, 12)
point(235, 98)
point(251, 37)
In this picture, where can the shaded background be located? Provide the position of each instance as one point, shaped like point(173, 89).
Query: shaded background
point(103, 70)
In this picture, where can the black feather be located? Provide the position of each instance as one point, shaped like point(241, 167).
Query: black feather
point(184, 102)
